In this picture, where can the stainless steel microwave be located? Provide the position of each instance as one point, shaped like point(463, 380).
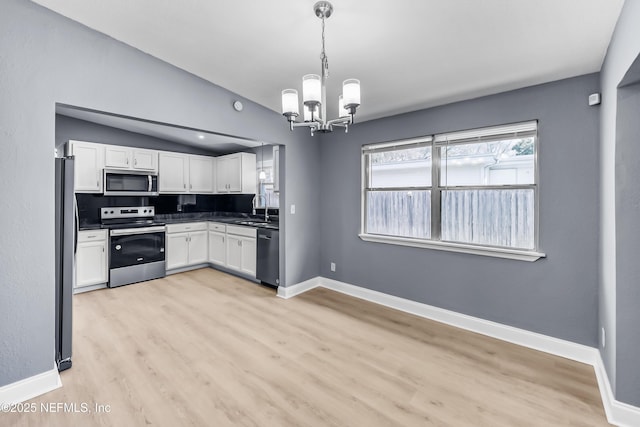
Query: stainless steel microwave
point(130, 183)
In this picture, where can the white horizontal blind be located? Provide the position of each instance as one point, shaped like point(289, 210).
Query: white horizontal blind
point(395, 145)
point(511, 131)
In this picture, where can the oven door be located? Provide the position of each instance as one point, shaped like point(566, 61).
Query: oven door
point(135, 246)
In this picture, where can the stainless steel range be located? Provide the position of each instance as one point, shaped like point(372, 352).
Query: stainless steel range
point(136, 244)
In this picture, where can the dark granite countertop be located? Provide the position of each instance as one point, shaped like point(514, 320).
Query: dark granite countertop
point(83, 226)
point(234, 218)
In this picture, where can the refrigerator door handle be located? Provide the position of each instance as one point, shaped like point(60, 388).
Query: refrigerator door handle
point(76, 228)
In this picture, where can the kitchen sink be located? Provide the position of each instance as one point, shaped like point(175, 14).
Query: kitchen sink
point(262, 224)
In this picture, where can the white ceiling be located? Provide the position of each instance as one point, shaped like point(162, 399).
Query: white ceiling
point(408, 54)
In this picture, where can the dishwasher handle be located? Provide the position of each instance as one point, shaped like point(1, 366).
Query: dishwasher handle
point(264, 236)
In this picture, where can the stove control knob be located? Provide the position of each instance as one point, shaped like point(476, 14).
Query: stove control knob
point(118, 247)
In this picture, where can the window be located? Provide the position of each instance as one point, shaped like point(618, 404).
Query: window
point(265, 188)
point(473, 189)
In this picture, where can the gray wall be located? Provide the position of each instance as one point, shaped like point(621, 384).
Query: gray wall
point(70, 128)
point(557, 295)
point(628, 243)
point(46, 58)
point(622, 52)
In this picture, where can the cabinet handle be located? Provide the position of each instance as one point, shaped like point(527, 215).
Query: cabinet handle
point(135, 162)
point(91, 237)
point(190, 187)
point(223, 240)
point(184, 186)
point(127, 160)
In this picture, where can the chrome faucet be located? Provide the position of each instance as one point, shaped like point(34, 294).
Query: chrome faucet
point(266, 209)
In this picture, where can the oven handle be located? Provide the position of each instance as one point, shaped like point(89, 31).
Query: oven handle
point(141, 230)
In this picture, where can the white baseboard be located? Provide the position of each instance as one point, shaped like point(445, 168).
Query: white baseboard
point(567, 349)
point(298, 288)
point(618, 413)
point(31, 387)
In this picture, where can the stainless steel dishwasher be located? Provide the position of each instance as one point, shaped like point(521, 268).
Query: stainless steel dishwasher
point(268, 262)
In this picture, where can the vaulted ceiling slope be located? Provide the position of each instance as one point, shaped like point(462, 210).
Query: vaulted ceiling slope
point(408, 54)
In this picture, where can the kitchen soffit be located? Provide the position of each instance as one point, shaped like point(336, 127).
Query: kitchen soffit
point(408, 54)
point(215, 142)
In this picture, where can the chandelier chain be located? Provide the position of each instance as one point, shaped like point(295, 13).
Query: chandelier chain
point(323, 55)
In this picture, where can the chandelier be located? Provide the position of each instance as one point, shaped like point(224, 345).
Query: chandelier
point(314, 93)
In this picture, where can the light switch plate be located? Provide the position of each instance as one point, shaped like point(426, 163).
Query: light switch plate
point(293, 209)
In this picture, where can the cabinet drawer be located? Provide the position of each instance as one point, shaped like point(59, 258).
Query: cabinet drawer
point(216, 226)
point(241, 231)
point(92, 235)
point(186, 227)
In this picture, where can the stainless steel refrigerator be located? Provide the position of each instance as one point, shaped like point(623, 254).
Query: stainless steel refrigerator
point(66, 221)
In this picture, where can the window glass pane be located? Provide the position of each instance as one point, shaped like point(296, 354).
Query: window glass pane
point(489, 217)
point(272, 198)
point(399, 213)
point(507, 162)
point(409, 167)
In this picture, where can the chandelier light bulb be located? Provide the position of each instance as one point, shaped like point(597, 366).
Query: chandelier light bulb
point(290, 102)
point(342, 112)
point(351, 93)
point(311, 89)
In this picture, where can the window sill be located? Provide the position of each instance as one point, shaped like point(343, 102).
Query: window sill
point(520, 255)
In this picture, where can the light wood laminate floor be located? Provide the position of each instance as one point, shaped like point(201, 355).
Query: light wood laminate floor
point(204, 348)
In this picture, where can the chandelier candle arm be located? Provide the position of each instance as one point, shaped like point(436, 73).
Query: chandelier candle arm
point(314, 92)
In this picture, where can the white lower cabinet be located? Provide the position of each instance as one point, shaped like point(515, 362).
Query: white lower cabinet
point(186, 244)
point(230, 246)
point(241, 249)
point(218, 244)
point(91, 258)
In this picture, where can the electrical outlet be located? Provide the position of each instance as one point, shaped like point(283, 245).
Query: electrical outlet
point(293, 209)
point(604, 336)
point(333, 266)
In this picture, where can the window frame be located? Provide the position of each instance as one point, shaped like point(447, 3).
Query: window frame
point(438, 144)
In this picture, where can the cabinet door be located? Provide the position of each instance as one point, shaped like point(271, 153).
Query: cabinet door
point(177, 250)
point(117, 157)
point(221, 174)
point(200, 174)
point(173, 173)
point(88, 167)
point(217, 248)
point(198, 247)
point(234, 252)
point(145, 160)
point(234, 173)
point(249, 254)
point(91, 263)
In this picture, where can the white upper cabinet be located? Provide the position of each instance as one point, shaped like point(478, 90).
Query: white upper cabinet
point(145, 159)
point(173, 174)
point(118, 157)
point(178, 173)
point(236, 173)
point(185, 173)
point(201, 174)
point(89, 163)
